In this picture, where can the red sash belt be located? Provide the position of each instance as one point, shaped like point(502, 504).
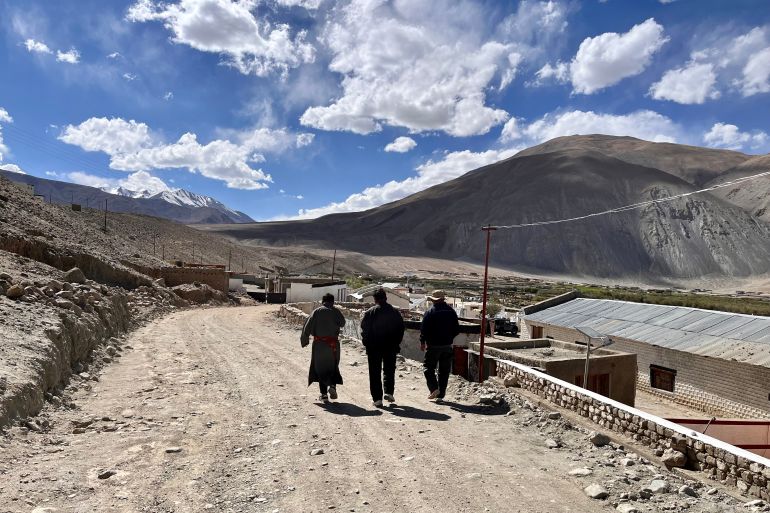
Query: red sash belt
point(329, 341)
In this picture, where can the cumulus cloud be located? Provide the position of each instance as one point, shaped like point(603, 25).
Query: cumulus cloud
point(724, 135)
point(693, 84)
point(425, 65)
point(130, 77)
point(401, 145)
point(307, 4)
point(511, 131)
point(229, 28)
point(608, 58)
point(139, 182)
point(4, 118)
point(735, 62)
point(36, 46)
point(429, 174)
point(71, 56)
point(643, 124)
point(133, 147)
point(13, 168)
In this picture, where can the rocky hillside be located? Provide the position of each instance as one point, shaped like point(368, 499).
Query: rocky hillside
point(697, 237)
point(177, 205)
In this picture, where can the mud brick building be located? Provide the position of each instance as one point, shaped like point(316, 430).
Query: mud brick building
point(716, 362)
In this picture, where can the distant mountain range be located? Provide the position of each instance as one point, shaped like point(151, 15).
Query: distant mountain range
point(178, 204)
point(708, 235)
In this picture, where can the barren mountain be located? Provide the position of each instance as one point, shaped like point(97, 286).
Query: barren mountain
point(753, 196)
point(695, 237)
point(179, 205)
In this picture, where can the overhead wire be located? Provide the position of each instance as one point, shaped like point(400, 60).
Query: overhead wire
point(632, 206)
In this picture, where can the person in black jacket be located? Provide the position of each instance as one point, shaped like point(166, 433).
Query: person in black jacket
point(382, 330)
point(439, 328)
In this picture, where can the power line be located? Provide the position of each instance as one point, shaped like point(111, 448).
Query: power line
point(635, 206)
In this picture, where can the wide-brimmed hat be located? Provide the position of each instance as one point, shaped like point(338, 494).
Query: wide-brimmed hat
point(437, 295)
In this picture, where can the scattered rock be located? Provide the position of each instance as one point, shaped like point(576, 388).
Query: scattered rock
point(554, 415)
point(658, 486)
point(598, 439)
point(316, 452)
point(127, 414)
point(596, 491)
point(14, 292)
point(106, 474)
point(673, 458)
point(626, 507)
point(686, 490)
point(552, 444)
point(473, 475)
point(510, 380)
point(581, 472)
point(173, 449)
point(75, 275)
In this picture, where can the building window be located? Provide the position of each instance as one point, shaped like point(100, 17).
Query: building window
point(537, 332)
point(662, 378)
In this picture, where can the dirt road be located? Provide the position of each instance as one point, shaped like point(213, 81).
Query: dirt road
point(209, 410)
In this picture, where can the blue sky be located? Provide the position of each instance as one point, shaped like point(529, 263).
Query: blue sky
point(299, 108)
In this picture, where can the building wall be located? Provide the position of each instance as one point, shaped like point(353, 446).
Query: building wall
point(214, 278)
point(735, 467)
point(713, 385)
point(301, 292)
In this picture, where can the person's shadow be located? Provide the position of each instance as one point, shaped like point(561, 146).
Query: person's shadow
point(348, 409)
point(410, 412)
point(477, 409)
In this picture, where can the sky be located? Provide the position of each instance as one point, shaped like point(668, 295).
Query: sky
point(289, 109)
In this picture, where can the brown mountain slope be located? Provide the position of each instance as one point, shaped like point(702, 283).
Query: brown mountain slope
point(693, 164)
point(686, 238)
point(754, 195)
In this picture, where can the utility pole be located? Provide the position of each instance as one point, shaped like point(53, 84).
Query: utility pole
point(489, 230)
point(105, 214)
point(334, 263)
point(154, 238)
point(193, 255)
point(163, 250)
point(229, 259)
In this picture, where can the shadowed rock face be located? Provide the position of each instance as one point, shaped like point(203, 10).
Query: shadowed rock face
point(692, 237)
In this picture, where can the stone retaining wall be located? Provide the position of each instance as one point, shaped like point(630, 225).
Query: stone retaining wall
point(721, 461)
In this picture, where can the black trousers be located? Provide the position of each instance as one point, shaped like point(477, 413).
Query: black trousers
point(382, 363)
point(441, 357)
point(324, 388)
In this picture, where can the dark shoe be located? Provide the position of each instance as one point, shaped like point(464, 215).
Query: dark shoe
point(332, 392)
point(324, 398)
point(433, 394)
point(389, 398)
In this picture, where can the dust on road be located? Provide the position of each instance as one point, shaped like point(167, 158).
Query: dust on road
point(210, 411)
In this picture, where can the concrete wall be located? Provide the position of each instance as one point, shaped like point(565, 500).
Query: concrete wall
point(713, 385)
point(733, 466)
point(301, 292)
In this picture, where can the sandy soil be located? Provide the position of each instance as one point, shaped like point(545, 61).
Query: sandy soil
point(228, 388)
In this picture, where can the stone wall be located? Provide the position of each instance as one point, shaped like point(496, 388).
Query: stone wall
point(721, 461)
point(713, 385)
point(215, 278)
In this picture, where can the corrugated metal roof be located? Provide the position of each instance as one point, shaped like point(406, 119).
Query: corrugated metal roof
point(744, 338)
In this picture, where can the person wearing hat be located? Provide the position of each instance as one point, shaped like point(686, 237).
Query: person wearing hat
point(324, 325)
point(382, 329)
point(439, 328)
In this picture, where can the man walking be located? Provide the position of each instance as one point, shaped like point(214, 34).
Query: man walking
point(439, 328)
point(382, 330)
point(324, 324)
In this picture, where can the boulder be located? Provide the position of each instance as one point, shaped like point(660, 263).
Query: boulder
point(596, 491)
point(598, 439)
point(673, 458)
point(510, 380)
point(14, 292)
point(200, 294)
point(75, 275)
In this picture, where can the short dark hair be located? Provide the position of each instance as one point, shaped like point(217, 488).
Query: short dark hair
point(328, 298)
point(380, 294)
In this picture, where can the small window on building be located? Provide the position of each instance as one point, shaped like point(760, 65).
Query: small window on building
point(662, 378)
point(537, 332)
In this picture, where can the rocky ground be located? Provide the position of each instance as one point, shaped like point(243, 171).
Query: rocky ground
point(209, 410)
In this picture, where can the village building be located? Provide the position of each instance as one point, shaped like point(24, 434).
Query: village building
point(715, 362)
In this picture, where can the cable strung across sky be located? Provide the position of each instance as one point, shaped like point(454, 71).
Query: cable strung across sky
point(634, 206)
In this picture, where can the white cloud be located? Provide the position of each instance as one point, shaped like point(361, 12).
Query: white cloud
point(643, 124)
point(605, 60)
point(692, 84)
point(429, 174)
point(723, 135)
point(132, 147)
point(114, 55)
point(426, 64)
point(129, 76)
point(307, 4)
point(71, 56)
point(168, 96)
point(37, 46)
point(559, 72)
point(112, 136)
point(756, 74)
point(229, 28)
point(401, 145)
point(138, 182)
point(13, 168)
point(511, 131)
point(4, 118)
